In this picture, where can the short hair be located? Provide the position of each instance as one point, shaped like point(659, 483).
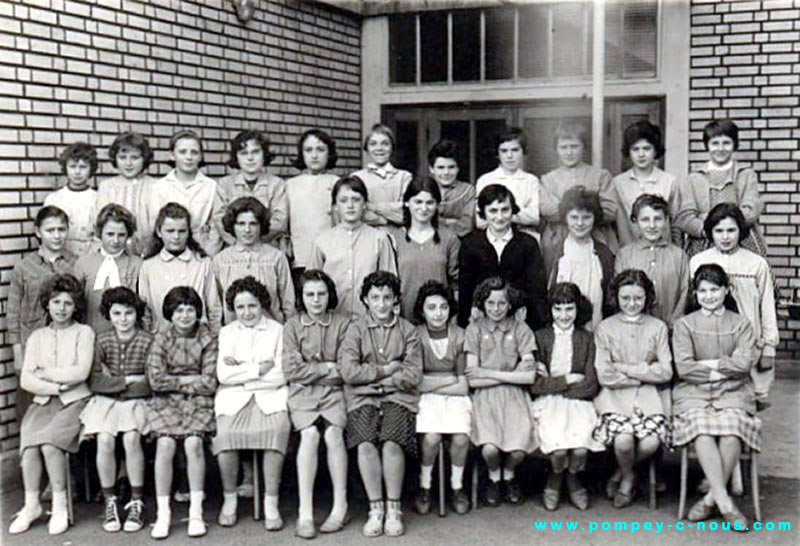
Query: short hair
point(721, 211)
point(492, 193)
point(351, 182)
point(570, 128)
point(186, 133)
point(511, 133)
point(487, 286)
point(418, 185)
point(250, 285)
point(384, 130)
point(181, 295)
point(715, 274)
point(566, 293)
point(239, 143)
point(721, 127)
point(433, 288)
point(122, 295)
point(380, 279)
point(655, 202)
point(246, 204)
point(580, 198)
point(50, 211)
point(333, 157)
point(176, 211)
point(631, 277)
point(642, 130)
point(115, 213)
point(78, 151)
point(64, 283)
point(444, 148)
point(316, 275)
point(131, 139)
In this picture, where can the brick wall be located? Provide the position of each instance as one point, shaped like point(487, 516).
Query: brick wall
point(745, 65)
point(87, 70)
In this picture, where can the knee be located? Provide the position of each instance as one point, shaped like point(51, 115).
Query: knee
point(459, 441)
point(309, 435)
point(490, 452)
point(334, 436)
point(165, 447)
point(105, 443)
point(730, 443)
point(367, 449)
point(131, 440)
point(193, 447)
point(624, 443)
point(431, 441)
point(50, 451)
point(649, 444)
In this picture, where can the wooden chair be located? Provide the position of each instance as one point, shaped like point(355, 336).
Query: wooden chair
point(747, 456)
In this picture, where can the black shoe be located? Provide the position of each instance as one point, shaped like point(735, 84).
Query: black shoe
point(492, 495)
point(514, 493)
point(423, 502)
point(460, 502)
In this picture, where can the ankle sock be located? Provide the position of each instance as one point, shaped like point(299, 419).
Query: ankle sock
point(196, 504)
point(31, 501)
point(271, 507)
point(229, 503)
point(457, 477)
point(508, 474)
point(495, 475)
point(162, 505)
point(425, 476)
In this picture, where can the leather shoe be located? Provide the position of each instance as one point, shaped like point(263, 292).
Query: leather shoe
point(700, 511)
point(334, 525)
point(460, 502)
point(305, 529)
point(551, 498)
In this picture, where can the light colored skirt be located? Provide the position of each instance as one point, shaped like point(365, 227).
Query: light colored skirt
point(250, 428)
point(687, 426)
point(501, 417)
point(52, 424)
point(444, 414)
point(564, 423)
point(107, 415)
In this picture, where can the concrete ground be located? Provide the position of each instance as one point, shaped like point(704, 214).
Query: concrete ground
point(780, 502)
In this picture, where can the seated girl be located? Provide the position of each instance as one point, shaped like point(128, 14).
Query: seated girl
point(713, 400)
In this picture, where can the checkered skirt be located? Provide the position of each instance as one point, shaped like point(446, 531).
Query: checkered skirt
point(717, 422)
point(180, 415)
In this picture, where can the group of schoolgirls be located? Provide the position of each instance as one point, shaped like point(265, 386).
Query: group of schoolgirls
point(338, 323)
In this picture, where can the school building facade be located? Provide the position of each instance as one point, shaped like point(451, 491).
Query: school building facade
point(89, 69)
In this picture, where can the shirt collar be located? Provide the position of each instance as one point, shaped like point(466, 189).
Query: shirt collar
point(240, 181)
point(372, 323)
point(308, 320)
point(262, 324)
point(500, 173)
point(504, 325)
point(625, 318)
point(105, 254)
point(505, 238)
point(561, 331)
point(652, 179)
point(646, 245)
point(717, 312)
point(167, 256)
point(382, 171)
point(242, 248)
point(59, 256)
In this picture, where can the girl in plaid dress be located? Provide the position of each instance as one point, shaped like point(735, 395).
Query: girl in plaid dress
point(713, 399)
point(632, 358)
point(181, 368)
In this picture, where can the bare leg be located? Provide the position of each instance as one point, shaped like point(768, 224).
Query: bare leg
point(165, 453)
point(56, 463)
point(624, 451)
point(228, 469)
point(106, 460)
point(337, 466)
point(32, 468)
point(394, 468)
point(134, 457)
point(307, 471)
point(369, 466)
point(710, 458)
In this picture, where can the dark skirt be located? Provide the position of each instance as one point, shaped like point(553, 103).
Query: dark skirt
point(309, 403)
point(181, 415)
point(250, 428)
point(390, 422)
point(52, 424)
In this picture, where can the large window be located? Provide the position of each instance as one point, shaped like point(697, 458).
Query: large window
point(538, 41)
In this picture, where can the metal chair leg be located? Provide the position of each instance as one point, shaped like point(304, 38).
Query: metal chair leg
point(754, 486)
point(475, 463)
point(684, 473)
point(256, 487)
point(442, 509)
point(70, 513)
point(652, 480)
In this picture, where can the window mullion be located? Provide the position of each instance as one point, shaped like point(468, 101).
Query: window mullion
point(550, 29)
point(418, 49)
point(515, 73)
point(483, 46)
point(450, 47)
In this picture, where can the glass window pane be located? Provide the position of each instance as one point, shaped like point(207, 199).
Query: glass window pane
point(640, 35)
point(568, 46)
point(402, 48)
point(614, 55)
point(499, 43)
point(533, 41)
point(433, 36)
point(466, 45)
point(406, 156)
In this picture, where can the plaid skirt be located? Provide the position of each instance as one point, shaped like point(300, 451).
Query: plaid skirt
point(638, 425)
point(389, 423)
point(717, 422)
point(181, 415)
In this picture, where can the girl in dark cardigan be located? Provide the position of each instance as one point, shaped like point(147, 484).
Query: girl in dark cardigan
point(563, 410)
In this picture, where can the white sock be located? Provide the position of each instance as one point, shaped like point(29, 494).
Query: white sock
point(271, 507)
point(31, 501)
point(229, 503)
point(425, 475)
point(495, 475)
point(59, 501)
point(456, 477)
point(162, 505)
point(196, 504)
point(508, 474)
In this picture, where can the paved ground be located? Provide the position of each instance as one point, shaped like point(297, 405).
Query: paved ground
point(780, 498)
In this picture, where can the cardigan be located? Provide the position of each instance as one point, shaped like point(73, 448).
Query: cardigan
point(582, 362)
point(606, 258)
point(520, 264)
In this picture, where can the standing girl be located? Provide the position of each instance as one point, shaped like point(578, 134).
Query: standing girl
point(632, 358)
point(500, 365)
point(642, 144)
point(752, 286)
point(570, 143)
point(181, 369)
point(112, 265)
point(177, 259)
point(119, 405)
point(581, 259)
point(351, 250)
point(248, 221)
point(250, 404)
point(444, 405)
point(424, 250)
point(563, 410)
point(187, 186)
point(316, 155)
point(311, 343)
point(457, 209)
point(58, 359)
point(714, 404)
point(131, 155)
point(385, 183)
